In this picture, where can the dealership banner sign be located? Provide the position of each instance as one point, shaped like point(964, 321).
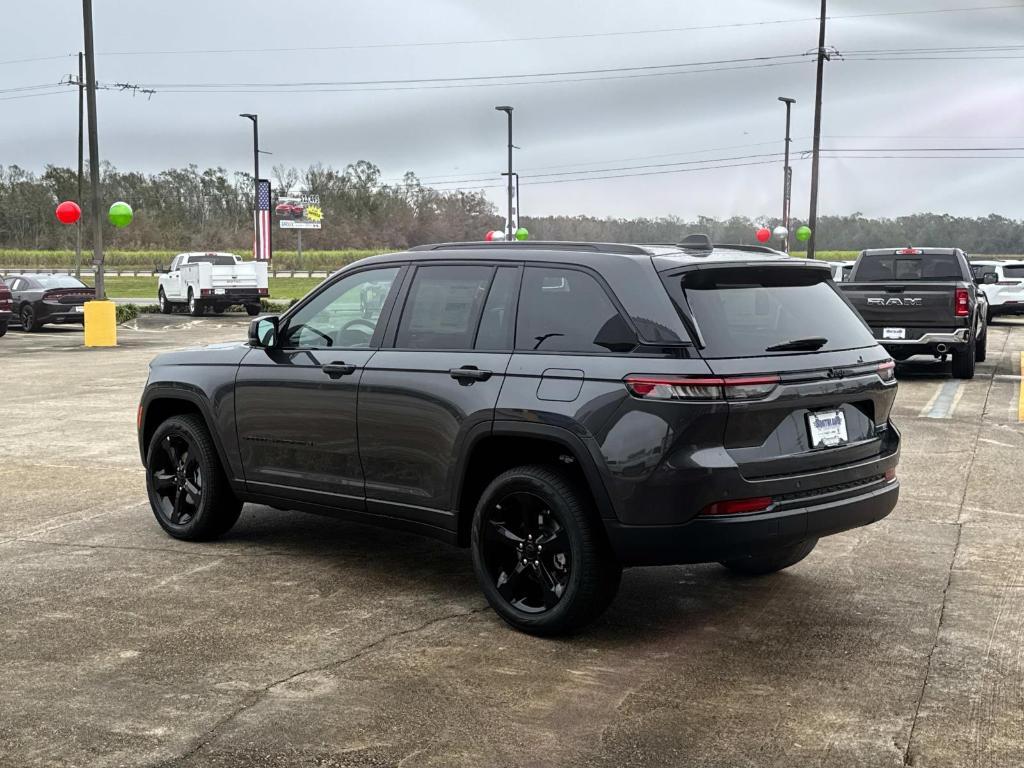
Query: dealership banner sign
point(299, 212)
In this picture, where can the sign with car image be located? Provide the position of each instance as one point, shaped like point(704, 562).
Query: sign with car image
point(299, 212)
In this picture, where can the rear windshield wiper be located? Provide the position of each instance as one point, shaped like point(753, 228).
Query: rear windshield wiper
point(810, 343)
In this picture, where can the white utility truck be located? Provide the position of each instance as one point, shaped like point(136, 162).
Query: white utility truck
point(214, 281)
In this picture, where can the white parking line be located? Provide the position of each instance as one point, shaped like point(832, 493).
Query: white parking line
point(943, 404)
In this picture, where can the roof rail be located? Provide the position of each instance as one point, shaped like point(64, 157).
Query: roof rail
point(542, 245)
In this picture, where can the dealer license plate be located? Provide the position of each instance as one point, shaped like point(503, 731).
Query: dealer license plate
point(894, 333)
point(828, 428)
point(218, 291)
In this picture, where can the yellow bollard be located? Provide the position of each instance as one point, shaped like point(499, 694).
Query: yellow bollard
point(100, 324)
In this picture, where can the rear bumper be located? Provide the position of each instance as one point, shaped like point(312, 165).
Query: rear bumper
point(711, 539)
point(234, 296)
point(1007, 308)
point(930, 343)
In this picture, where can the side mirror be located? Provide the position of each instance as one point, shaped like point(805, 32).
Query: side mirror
point(263, 332)
point(990, 278)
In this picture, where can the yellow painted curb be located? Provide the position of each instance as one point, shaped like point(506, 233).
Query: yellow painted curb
point(1020, 387)
point(100, 324)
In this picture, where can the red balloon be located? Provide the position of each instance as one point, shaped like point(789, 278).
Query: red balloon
point(764, 235)
point(68, 212)
point(489, 236)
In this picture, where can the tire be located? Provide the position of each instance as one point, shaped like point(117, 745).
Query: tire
point(964, 359)
point(542, 593)
point(772, 561)
point(165, 305)
point(981, 349)
point(989, 316)
point(28, 319)
point(3, 328)
point(218, 310)
point(195, 307)
point(188, 491)
point(253, 309)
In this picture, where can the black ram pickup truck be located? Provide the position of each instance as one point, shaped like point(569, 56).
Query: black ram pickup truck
point(921, 301)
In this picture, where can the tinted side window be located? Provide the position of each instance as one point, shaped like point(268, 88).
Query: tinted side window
point(345, 315)
point(563, 310)
point(443, 307)
point(497, 324)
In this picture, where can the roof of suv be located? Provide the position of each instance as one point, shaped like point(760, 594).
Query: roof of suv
point(664, 255)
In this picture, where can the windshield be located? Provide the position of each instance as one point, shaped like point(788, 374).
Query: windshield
point(60, 281)
point(743, 312)
point(880, 268)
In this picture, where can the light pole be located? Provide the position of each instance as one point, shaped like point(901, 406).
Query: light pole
point(256, 170)
point(787, 175)
point(510, 235)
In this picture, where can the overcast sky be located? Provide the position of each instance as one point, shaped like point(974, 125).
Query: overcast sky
point(617, 122)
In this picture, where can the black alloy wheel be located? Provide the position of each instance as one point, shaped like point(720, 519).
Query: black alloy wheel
point(28, 319)
point(188, 491)
point(540, 553)
point(177, 479)
point(526, 552)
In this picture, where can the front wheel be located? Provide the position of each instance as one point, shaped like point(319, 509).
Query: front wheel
point(771, 561)
point(188, 491)
point(964, 359)
point(540, 554)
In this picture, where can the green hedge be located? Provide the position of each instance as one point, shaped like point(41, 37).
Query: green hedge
point(11, 259)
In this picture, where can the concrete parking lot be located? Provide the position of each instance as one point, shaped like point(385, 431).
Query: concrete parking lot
point(299, 640)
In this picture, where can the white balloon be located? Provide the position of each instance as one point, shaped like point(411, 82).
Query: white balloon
point(780, 232)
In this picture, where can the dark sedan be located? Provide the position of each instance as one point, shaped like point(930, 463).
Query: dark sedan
point(5, 307)
point(42, 299)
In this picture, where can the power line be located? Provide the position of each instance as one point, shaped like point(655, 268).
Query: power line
point(38, 58)
point(539, 38)
point(35, 95)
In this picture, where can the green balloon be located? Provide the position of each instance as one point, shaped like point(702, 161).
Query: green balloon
point(120, 215)
point(803, 234)
point(522, 233)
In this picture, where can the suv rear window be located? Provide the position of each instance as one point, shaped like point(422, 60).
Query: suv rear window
point(741, 312)
point(218, 260)
point(880, 268)
point(1015, 271)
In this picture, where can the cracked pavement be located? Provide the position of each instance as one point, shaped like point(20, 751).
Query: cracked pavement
point(303, 641)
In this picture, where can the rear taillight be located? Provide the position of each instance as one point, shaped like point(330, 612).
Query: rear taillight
point(962, 306)
point(737, 506)
point(700, 387)
point(890, 474)
point(264, 291)
point(206, 292)
point(910, 252)
point(887, 370)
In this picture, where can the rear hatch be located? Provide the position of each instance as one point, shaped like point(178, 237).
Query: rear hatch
point(1010, 288)
point(914, 290)
point(807, 386)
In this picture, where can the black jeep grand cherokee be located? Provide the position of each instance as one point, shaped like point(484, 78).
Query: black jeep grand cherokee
point(563, 409)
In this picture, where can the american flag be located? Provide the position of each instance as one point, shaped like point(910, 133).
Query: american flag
point(261, 246)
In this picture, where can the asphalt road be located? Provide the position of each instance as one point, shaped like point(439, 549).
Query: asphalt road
point(303, 641)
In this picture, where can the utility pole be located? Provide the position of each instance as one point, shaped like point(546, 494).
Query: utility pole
point(510, 235)
point(812, 217)
point(94, 151)
point(256, 171)
point(81, 156)
point(787, 176)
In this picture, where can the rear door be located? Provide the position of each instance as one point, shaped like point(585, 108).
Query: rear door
point(435, 387)
point(817, 396)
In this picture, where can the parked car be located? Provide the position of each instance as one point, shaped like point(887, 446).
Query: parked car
point(201, 281)
point(40, 300)
point(563, 409)
point(921, 301)
point(6, 307)
point(840, 270)
point(1002, 282)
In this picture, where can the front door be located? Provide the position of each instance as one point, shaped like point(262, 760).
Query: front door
point(295, 404)
point(421, 400)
